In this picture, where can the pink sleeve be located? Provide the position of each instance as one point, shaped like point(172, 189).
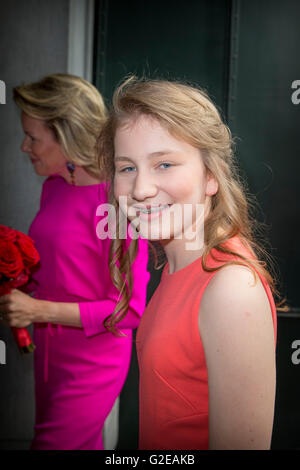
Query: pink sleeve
point(94, 313)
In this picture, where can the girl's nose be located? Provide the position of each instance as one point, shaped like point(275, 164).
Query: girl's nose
point(144, 187)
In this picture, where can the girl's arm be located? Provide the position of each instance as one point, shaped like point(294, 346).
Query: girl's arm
point(236, 328)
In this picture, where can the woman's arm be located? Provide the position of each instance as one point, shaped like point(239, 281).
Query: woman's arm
point(236, 328)
point(20, 310)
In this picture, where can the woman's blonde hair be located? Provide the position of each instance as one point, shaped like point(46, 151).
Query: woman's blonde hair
point(73, 109)
point(189, 114)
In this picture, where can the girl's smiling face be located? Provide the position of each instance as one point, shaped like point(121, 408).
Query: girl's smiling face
point(156, 173)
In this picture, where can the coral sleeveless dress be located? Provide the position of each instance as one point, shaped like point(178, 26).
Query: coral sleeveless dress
point(173, 373)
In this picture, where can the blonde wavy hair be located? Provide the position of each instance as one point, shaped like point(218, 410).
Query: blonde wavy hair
point(188, 114)
point(73, 109)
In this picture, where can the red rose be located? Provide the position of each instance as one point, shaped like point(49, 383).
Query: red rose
point(7, 286)
point(17, 256)
point(20, 280)
point(29, 253)
point(7, 233)
point(11, 263)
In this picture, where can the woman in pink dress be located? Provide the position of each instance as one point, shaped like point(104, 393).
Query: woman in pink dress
point(83, 337)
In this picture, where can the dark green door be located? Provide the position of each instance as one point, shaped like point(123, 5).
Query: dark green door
point(187, 40)
point(264, 64)
point(245, 55)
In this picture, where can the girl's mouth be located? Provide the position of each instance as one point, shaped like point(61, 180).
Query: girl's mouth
point(153, 209)
point(148, 213)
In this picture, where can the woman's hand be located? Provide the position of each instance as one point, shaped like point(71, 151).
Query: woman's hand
point(17, 309)
point(20, 310)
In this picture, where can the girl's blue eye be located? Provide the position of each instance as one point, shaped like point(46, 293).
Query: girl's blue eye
point(128, 169)
point(166, 165)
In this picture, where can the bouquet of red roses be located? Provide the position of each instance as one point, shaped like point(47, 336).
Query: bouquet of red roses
point(18, 257)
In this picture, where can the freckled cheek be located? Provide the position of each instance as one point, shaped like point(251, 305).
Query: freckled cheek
point(121, 187)
point(194, 187)
point(182, 190)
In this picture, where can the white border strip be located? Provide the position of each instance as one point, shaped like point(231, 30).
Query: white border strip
point(80, 40)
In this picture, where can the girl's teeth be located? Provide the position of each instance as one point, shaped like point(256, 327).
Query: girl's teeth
point(153, 209)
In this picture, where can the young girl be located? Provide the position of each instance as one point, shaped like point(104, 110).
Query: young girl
point(206, 342)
